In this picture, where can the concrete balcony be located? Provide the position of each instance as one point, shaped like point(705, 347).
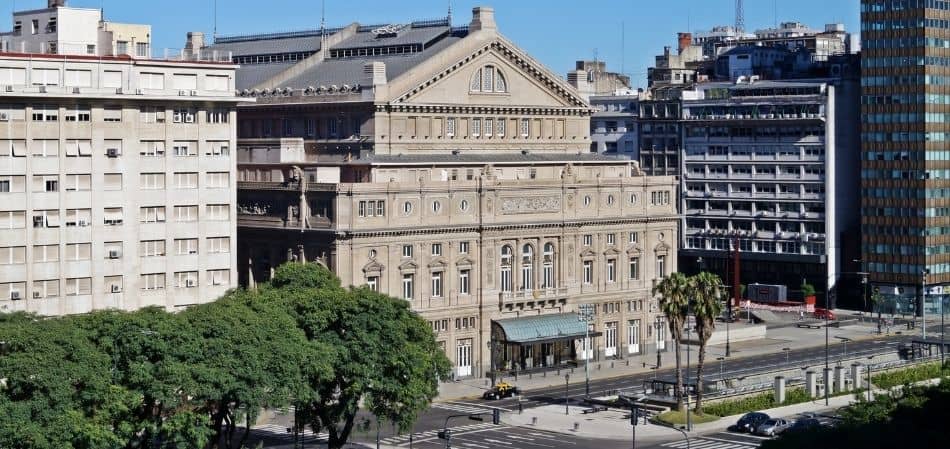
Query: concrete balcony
point(274, 222)
point(541, 294)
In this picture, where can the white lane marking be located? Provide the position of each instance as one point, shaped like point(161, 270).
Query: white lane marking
point(474, 445)
point(490, 440)
point(748, 443)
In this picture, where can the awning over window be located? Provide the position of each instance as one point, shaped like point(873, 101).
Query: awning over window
point(540, 328)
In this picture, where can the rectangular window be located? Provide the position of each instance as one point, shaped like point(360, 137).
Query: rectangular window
point(78, 286)
point(218, 180)
point(111, 79)
point(525, 127)
point(634, 237)
point(407, 286)
point(661, 266)
point(78, 148)
point(14, 148)
point(13, 255)
point(437, 284)
point(588, 272)
point(218, 148)
point(634, 268)
point(183, 115)
point(14, 184)
point(78, 183)
point(112, 216)
point(46, 218)
point(220, 116)
point(476, 127)
point(45, 113)
point(436, 249)
point(153, 281)
point(186, 279)
point(611, 271)
point(219, 245)
point(152, 214)
point(46, 288)
point(373, 283)
point(112, 114)
point(611, 239)
point(184, 247)
point(112, 284)
point(406, 250)
point(13, 219)
point(152, 148)
point(500, 128)
point(488, 127)
point(122, 48)
point(78, 251)
point(78, 78)
point(184, 149)
point(217, 212)
point(155, 81)
point(45, 183)
point(152, 248)
point(218, 83)
point(141, 50)
point(219, 277)
point(450, 127)
point(186, 213)
point(113, 250)
point(45, 77)
point(184, 81)
point(186, 180)
point(152, 181)
point(152, 114)
point(588, 240)
point(464, 277)
point(45, 253)
point(463, 247)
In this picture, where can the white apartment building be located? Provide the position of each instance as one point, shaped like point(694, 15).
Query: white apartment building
point(117, 183)
point(60, 29)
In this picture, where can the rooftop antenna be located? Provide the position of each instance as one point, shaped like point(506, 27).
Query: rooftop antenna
point(450, 13)
point(740, 18)
point(623, 42)
point(775, 12)
point(215, 32)
point(323, 27)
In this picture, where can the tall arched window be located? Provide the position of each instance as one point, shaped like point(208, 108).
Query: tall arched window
point(547, 276)
point(506, 255)
point(527, 271)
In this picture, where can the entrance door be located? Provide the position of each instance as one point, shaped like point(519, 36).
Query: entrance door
point(610, 339)
point(633, 337)
point(463, 354)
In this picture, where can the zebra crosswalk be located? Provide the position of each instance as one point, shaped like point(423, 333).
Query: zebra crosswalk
point(711, 443)
point(462, 407)
point(403, 440)
point(277, 429)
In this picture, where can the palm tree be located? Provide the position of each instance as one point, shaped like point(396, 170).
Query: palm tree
point(706, 308)
point(673, 292)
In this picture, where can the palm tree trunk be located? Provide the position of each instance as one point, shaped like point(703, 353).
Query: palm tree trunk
point(679, 377)
point(699, 375)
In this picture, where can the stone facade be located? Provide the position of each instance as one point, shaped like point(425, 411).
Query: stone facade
point(464, 185)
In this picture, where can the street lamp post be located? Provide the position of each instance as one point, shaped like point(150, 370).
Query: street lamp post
point(586, 315)
point(658, 324)
point(567, 380)
point(491, 360)
point(826, 345)
point(689, 421)
point(720, 359)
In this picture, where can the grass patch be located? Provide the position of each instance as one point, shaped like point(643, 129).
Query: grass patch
point(910, 375)
point(677, 418)
point(757, 402)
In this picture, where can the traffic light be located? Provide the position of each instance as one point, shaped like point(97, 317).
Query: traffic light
point(445, 435)
point(496, 416)
point(634, 416)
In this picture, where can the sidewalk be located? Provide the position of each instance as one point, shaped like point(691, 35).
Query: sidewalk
point(775, 340)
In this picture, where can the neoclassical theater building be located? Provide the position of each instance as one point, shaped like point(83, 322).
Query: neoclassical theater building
point(446, 166)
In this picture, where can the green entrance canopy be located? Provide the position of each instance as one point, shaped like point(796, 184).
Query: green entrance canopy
point(542, 328)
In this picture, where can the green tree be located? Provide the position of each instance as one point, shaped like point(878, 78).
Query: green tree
point(707, 306)
point(383, 355)
point(674, 292)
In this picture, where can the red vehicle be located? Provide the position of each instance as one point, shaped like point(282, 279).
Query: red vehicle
point(824, 314)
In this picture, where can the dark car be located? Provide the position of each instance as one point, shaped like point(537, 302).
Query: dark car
point(804, 425)
point(751, 421)
point(501, 390)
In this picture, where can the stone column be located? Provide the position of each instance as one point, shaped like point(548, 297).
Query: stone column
point(829, 381)
point(839, 380)
point(811, 383)
point(779, 389)
point(857, 381)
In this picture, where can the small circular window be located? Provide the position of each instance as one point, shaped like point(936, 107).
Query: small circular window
point(464, 205)
point(587, 200)
point(407, 207)
point(610, 200)
point(633, 198)
point(661, 236)
point(372, 254)
point(436, 207)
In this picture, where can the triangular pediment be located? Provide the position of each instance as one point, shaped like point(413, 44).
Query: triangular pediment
point(588, 253)
point(611, 252)
point(408, 266)
point(464, 262)
point(662, 247)
point(525, 81)
point(373, 267)
point(634, 250)
point(437, 263)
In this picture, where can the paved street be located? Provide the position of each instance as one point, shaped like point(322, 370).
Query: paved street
point(489, 436)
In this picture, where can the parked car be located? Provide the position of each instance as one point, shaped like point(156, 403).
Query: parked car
point(824, 314)
point(804, 425)
point(772, 427)
point(501, 390)
point(751, 421)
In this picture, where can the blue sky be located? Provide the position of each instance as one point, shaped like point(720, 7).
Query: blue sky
point(556, 32)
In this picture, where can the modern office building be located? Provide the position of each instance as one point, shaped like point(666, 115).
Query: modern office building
point(117, 182)
point(770, 166)
point(905, 176)
point(60, 29)
point(444, 165)
point(613, 127)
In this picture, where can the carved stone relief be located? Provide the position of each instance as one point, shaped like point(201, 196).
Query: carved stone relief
point(531, 204)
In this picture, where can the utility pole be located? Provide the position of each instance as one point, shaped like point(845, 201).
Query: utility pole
point(740, 17)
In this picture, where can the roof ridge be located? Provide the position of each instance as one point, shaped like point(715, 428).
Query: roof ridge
point(426, 23)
